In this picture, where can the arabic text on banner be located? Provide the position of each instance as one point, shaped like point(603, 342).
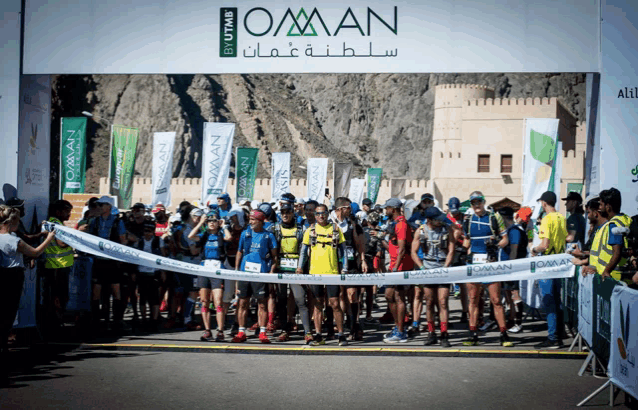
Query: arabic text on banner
point(624, 339)
point(163, 145)
point(342, 174)
point(539, 158)
point(316, 178)
point(123, 163)
point(246, 171)
point(280, 183)
point(552, 266)
point(218, 149)
point(72, 155)
point(374, 182)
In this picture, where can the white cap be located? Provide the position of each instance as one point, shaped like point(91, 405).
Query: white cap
point(244, 202)
point(106, 200)
point(195, 212)
point(175, 218)
point(254, 204)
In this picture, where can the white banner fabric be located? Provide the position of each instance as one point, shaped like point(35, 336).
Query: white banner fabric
point(218, 149)
point(357, 187)
point(258, 36)
point(585, 310)
point(280, 183)
point(624, 340)
point(10, 15)
point(163, 145)
point(317, 173)
point(546, 267)
point(539, 156)
point(619, 101)
point(558, 173)
point(592, 155)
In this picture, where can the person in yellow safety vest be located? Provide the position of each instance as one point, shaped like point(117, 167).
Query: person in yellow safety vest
point(607, 255)
point(58, 260)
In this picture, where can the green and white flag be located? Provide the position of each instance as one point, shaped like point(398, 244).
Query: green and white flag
point(72, 155)
point(539, 160)
point(246, 170)
point(123, 163)
point(374, 182)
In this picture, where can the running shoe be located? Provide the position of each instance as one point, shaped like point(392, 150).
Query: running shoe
point(403, 337)
point(370, 321)
point(318, 341)
point(391, 334)
point(308, 338)
point(515, 329)
point(505, 340)
point(413, 331)
point(220, 336)
point(270, 328)
point(550, 344)
point(457, 291)
point(254, 327)
point(431, 339)
point(207, 336)
point(283, 337)
point(263, 337)
point(445, 342)
point(472, 340)
point(164, 306)
point(239, 338)
point(488, 325)
point(234, 329)
point(343, 341)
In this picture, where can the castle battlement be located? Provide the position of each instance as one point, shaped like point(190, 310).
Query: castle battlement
point(511, 101)
point(460, 86)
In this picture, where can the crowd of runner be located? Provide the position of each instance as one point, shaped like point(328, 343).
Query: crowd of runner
point(306, 237)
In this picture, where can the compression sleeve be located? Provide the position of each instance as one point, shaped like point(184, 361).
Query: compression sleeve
point(344, 255)
point(303, 255)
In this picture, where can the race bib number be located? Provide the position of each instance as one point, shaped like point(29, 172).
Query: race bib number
point(212, 264)
point(252, 267)
point(289, 263)
point(479, 258)
point(350, 254)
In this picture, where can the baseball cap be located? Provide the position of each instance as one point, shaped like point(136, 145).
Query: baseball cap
point(224, 196)
point(477, 196)
point(393, 203)
point(158, 208)
point(15, 202)
point(287, 197)
point(574, 196)
point(286, 206)
point(525, 213)
point(506, 211)
point(366, 201)
point(265, 208)
point(138, 205)
point(106, 200)
point(299, 201)
point(427, 196)
point(212, 214)
point(549, 197)
point(436, 214)
point(258, 215)
point(195, 212)
point(149, 224)
point(454, 204)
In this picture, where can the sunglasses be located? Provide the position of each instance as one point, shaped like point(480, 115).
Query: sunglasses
point(212, 220)
point(344, 207)
point(321, 213)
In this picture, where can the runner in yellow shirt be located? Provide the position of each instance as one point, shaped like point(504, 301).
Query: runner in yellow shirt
point(322, 244)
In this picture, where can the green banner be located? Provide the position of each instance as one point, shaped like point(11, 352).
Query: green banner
point(601, 308)
point(374, 182)
point(578, 188)
point(246, 170)
point(72, 155)
point(123, 163)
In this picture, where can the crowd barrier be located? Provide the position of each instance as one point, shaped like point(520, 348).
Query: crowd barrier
point(604, 312)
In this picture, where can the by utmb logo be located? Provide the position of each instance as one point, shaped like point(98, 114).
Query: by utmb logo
point(261, 21)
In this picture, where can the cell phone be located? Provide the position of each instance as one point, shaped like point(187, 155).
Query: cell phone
point(327, 191)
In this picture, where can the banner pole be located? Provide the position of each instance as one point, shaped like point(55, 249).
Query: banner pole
point(597, 392)
point(110, 160)
point(60, 166)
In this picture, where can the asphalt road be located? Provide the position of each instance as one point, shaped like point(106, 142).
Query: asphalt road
point(106, 379)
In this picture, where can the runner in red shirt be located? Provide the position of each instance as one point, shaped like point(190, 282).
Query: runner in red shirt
point(400, 260)
point(161, 220)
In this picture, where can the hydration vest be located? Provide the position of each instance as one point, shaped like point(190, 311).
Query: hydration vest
point(155, 245)
point(493, 224)
point(285, 251)
point(427, 242)
point(313, 236)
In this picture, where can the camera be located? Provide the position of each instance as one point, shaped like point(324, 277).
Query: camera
point(492, 250)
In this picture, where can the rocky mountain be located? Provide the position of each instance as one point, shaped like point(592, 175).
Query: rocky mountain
point(373, 120)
